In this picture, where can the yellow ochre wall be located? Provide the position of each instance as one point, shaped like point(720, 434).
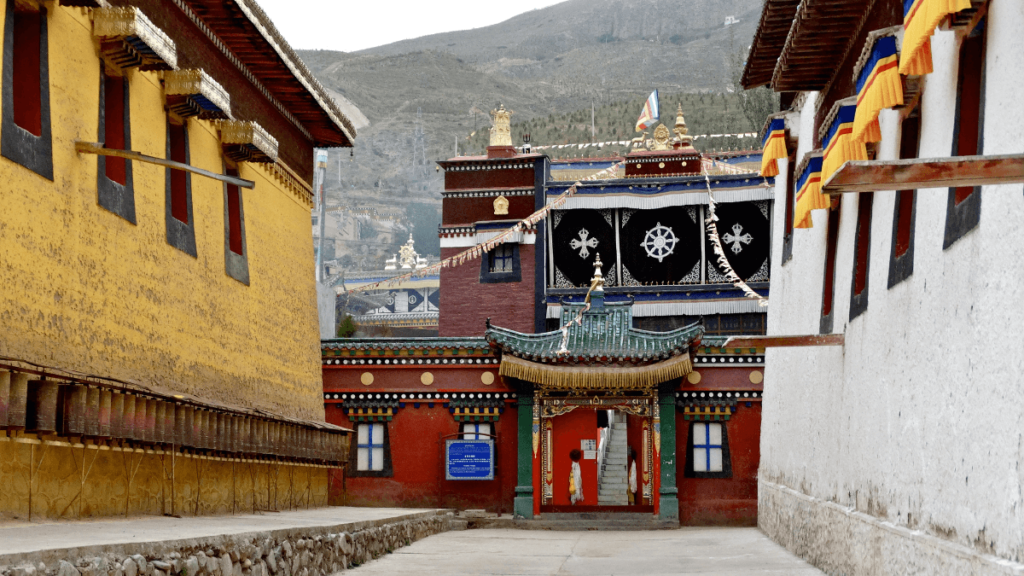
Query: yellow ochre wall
point(84, 289)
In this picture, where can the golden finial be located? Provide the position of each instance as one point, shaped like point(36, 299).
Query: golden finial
point(681, 130)
point(501, 132)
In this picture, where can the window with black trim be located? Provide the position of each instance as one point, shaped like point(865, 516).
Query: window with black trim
point(861, 255)
point(963, 207)
point(787, 238)
point(501, 265)
point(707, 451)
point(371, 451)
point(25, 132)
point(115, 189)
point(476, 430)
point(901, 252)
point(236, 257)
point(180, 226)
point(829, 288)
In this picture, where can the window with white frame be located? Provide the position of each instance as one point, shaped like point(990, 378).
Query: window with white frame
point(370, 447)
point(707, 447)
point(475, 430)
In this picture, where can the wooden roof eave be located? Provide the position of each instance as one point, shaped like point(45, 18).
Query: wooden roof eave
point(772, 30)
point(821, 35)
point(296, 92)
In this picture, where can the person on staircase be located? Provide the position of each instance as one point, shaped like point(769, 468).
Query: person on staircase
point(631, 489)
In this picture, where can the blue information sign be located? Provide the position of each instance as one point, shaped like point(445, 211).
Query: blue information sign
point(469, 460)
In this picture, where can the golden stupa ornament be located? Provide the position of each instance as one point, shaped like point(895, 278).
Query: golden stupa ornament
point(501, 132)
point(500, 206)
point(681, 130)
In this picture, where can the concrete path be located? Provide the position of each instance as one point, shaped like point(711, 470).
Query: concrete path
point(28, 537)
point(718, 551)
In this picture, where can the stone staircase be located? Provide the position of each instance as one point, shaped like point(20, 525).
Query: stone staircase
point(612, 478)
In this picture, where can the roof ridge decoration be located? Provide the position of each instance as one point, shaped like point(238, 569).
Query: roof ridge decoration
point(262, 22)
point(602, 351)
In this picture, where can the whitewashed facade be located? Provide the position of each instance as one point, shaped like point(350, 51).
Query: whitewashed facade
point(902, 451)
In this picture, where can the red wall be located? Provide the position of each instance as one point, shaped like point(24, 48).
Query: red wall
point(476, 179)
point(417, 453)
point(568, 430)
point(723, 501)
point(341, 379)
point(466, 303)
point(463, 211)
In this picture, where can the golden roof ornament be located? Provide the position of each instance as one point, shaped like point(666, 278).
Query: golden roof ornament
point(681, 130)
point(407, 255)
point(662, 139)
point(501, 132)
point(501, 206)
point(597, 282)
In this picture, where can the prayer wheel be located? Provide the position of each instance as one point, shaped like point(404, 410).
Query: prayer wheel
point(204, 430)
point(75, 410)
point(220, 442)
point(17, 403)
point(170, 423)
point(179, 425)
point(41, 415)
point(158, 421)
point(92, 412)
point(141, 407)
point(5, 396)
point(151, 407)
point(128, 416)
point(186, 423)
point(117, 415)
point(106, 407)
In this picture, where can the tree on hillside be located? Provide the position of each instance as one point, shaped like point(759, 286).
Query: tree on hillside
point(757, 103)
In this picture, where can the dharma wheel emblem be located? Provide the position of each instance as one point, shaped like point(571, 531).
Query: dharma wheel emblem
point(659, 242)
point(583, 243)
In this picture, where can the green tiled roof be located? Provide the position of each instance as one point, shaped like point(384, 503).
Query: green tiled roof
point(402, 343)
point(605, 336)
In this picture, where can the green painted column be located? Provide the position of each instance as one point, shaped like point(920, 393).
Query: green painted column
point(668, 492)
point(523, 507)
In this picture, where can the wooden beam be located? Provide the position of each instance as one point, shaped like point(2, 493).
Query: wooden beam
point(917, 173)
point(98, 149)
point(784, 341)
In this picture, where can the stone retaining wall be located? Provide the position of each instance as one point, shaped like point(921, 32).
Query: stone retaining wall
point(314, 551)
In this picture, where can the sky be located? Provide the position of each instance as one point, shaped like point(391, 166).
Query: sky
point(350, 25)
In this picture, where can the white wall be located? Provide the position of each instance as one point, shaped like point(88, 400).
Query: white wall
point(918, 421)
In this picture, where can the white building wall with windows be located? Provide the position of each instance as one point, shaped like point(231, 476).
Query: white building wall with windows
point(902, 452)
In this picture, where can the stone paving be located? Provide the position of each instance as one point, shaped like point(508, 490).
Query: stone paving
point(718, 551)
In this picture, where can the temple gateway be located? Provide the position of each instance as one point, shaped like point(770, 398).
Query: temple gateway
point(581, 364)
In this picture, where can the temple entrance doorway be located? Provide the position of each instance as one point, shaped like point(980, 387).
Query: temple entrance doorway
point(591, 447)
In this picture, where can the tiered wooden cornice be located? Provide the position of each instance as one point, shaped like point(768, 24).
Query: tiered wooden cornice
point(776, 20)
point(820, 38)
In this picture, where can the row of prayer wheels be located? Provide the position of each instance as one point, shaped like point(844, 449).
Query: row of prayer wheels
point(74, 409)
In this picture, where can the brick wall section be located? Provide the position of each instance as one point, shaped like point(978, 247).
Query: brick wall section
point(456, 211)
point(501, 178)
point(466, 303)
